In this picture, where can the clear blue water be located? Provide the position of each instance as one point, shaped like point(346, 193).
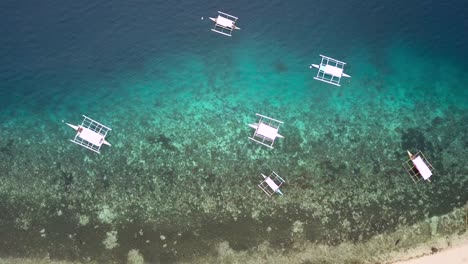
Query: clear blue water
point(179, 98)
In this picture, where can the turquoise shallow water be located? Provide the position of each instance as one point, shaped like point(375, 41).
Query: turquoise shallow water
point(181, 174)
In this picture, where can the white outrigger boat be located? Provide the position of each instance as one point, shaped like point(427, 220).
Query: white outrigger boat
point(266, 130)
point(90, 134)
point(224, 24)
point(330, 70)
point(418, 167)
point(271, 184)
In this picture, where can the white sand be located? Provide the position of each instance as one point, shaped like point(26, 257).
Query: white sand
point(454, 255)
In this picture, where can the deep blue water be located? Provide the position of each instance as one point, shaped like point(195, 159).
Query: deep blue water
point(49, 41)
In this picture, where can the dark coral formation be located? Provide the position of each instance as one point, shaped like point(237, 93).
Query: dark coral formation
point(414, 138)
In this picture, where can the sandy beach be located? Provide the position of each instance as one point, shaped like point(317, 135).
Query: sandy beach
point(457, 254)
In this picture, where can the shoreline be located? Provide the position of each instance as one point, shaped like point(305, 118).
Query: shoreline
point(457, 253)
point(418, 245)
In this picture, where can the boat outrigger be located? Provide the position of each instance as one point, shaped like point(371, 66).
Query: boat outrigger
point(224, 24)
point(90, 134)
point(329, 70)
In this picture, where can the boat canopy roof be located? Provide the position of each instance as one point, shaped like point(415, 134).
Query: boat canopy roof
point(224, 24)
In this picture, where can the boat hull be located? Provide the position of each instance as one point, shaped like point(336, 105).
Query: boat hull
point(214, 20)
point(318, 67)
point(314, 66)
point(104, 141)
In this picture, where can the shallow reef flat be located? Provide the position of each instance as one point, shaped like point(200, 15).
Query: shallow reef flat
point(179, 183)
